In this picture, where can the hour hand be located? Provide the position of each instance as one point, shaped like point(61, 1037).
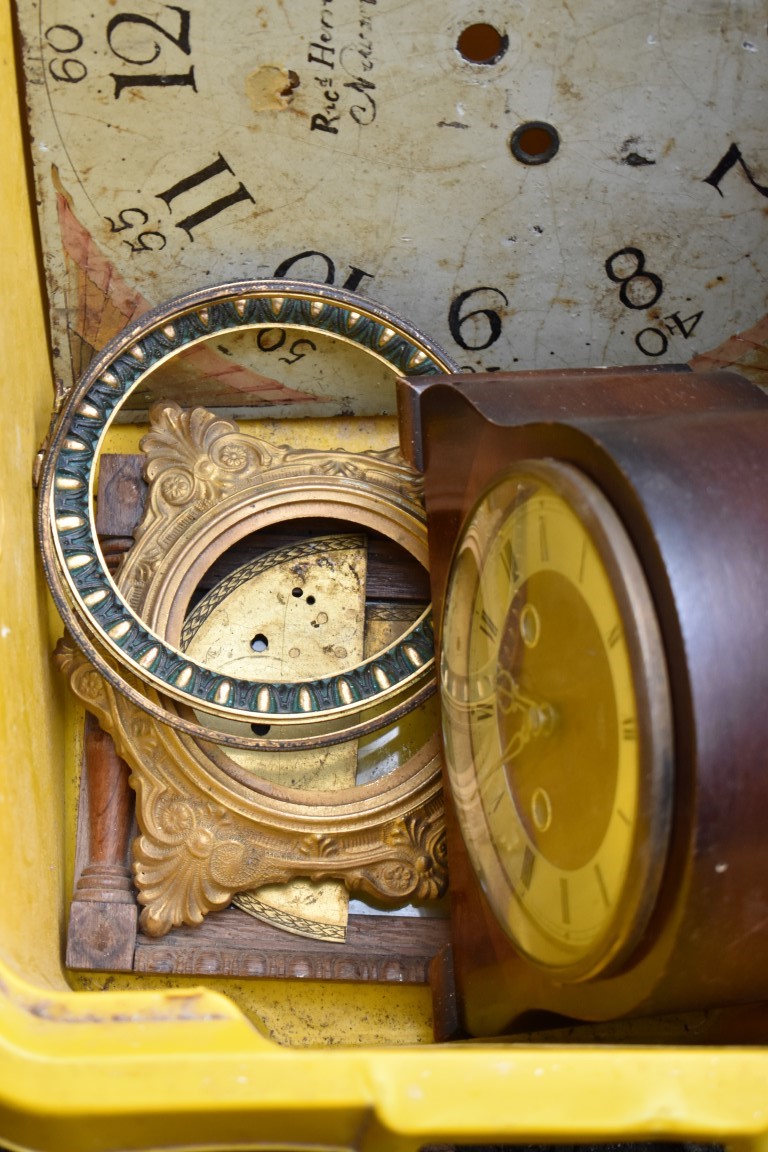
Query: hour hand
point(527, 716)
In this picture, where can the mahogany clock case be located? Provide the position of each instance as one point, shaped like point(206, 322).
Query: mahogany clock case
point(680, 457)
point(453, 428)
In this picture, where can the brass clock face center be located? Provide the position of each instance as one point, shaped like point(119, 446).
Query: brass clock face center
point(556, 723)
point(555, 682)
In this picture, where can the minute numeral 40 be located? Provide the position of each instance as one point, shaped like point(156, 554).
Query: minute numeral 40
point(654, 342)
point(641, 289)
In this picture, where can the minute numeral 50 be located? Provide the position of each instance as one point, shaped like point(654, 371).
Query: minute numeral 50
point(641, 289)
point(273, 339)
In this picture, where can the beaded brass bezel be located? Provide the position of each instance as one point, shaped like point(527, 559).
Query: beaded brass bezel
point(99, 618)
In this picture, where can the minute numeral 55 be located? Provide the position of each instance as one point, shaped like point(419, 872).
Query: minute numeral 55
point(147, 241)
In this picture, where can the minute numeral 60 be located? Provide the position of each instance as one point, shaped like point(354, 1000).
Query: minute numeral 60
point(641, 289)
point(65, 40)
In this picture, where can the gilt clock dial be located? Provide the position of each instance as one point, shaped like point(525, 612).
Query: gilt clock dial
point(556, 718)
point(534, 185)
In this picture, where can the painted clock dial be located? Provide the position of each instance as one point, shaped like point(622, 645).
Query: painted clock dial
point(535, 185)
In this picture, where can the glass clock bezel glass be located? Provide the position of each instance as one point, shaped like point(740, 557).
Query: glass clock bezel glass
point(626, 870)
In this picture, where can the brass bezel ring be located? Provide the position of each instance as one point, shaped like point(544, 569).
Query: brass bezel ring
point(97, 615)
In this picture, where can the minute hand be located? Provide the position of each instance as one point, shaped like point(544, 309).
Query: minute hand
point(535, 717)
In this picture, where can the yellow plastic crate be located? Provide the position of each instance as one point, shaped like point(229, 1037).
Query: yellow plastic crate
point(184, 1067)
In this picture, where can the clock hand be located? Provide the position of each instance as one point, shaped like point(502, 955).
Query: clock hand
point(536, 717)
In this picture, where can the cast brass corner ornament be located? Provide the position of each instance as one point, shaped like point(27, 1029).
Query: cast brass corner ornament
point(212, 826)
point(206, 478)
point(210, 485)
point(207, 831)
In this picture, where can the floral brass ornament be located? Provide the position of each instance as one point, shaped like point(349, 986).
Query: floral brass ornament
point(211, 827)
point(178, 540)
point(101, 620)
point(208, 831)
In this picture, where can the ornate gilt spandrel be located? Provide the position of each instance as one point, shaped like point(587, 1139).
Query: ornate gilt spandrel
point(210, 827)
point(207, 833)
point(197, 460)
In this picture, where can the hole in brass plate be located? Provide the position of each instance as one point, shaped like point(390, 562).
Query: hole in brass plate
point(534, 142)
point(482, 44)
